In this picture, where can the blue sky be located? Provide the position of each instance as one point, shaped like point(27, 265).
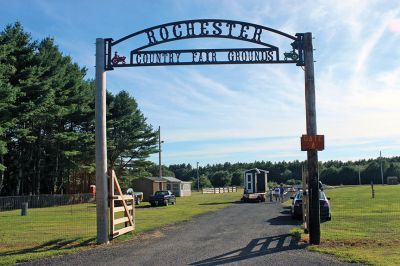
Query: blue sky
point(214, 114)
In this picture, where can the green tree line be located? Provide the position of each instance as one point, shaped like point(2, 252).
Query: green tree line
point(47, 121)
point(330, 172)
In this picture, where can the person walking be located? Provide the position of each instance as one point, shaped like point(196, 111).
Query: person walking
point(281, 192)
point(276, 193)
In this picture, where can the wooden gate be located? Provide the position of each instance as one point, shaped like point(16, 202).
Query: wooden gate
point(120, 224)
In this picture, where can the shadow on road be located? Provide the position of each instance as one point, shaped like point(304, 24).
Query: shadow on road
point(284, 219)
point(256, 247)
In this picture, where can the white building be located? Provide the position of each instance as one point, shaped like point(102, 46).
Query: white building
point(178, 187)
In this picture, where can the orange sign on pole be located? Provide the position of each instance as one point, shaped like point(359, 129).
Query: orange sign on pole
point(312, 142)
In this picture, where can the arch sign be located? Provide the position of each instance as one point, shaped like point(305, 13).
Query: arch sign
point(256, 44)
point(204, 28)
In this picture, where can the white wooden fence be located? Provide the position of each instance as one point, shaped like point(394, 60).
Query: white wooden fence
point(215, 190)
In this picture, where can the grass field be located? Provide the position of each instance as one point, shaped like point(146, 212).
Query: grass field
point(363, 229)
point(66, 229)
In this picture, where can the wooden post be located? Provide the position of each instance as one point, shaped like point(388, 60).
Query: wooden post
point(129, 210)
point(372, 189)
point(312, 155)
point(101, 145)
point(111, 194)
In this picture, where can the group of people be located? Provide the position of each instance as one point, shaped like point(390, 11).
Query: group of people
point(277, 193)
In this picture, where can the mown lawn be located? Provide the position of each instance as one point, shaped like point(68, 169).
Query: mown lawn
point(363, 229)
point(67, 229)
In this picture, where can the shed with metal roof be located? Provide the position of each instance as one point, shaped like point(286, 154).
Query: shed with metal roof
point(178, 187)
point(149, 185)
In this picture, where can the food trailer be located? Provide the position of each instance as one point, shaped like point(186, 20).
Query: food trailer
point(255, 184)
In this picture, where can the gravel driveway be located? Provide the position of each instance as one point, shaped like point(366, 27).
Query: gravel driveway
point(242, 234)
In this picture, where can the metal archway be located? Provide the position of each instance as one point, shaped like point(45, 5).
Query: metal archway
point(301, 54)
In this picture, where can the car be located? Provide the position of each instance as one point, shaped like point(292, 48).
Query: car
point(162, 197)
point(324, 206)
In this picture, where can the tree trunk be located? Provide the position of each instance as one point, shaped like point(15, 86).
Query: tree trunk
point(38, 160)
point(18, 186)
point(38, 179)
point(56, 178)
point(1, 174)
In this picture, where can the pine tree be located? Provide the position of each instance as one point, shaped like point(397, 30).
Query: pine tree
point(130, 139)
point(19, 54)
point(7, 102)
point(47, 121)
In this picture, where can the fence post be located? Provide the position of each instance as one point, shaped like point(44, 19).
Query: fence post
point(372, 189)
point(24, 209)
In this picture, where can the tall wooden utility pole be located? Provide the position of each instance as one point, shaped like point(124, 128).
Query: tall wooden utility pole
point(101, 145)
point(312, 155)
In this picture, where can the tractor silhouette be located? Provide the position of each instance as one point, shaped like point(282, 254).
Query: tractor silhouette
point(118, 59)
point(291, 55)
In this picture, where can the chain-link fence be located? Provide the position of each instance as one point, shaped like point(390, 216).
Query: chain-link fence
point(360, 213)
point(53, 224)
point(41, 201)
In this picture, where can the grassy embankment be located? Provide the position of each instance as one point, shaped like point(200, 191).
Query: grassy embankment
point(363, 229)
point(66, 229)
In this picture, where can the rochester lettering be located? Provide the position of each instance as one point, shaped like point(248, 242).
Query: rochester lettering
point(243, 33)
point(164, 33)
point(202, 28)
point(190, 29)
point(257, 34)
point(176, 33)
point(230, 26)
point(217, 28)
point(150, 36)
